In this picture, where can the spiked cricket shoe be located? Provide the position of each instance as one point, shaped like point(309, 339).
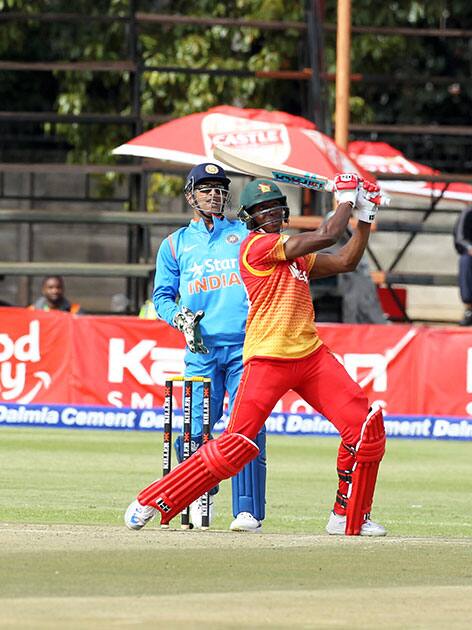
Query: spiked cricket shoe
point(246, 522)
point(196, 511)
point(137, 515)
point(337, 526)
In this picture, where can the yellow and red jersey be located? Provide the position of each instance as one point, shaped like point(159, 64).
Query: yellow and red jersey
point(281, 319)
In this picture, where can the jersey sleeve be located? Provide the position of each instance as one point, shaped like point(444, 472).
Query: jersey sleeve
point(166, 282)
point(310, 262)
point(264, 251)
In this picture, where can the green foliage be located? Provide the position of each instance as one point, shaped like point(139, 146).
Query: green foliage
point(400, 57)
point(160, 185)
point(396, 98)
point(218, 47)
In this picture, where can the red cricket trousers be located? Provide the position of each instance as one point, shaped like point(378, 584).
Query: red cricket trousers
point(320, 380)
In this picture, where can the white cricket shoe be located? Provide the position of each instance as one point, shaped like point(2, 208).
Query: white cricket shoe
point(137, 515)
point(337, 526)
point(246, 522)
point(196, 511)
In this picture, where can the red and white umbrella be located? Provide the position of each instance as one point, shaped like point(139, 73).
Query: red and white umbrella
point(273, 137)
point(381, 157)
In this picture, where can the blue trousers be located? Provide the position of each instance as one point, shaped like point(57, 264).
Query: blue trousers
point(465, 278)
point(224, 366)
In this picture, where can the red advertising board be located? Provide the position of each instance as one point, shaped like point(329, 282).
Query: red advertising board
point(124, 361)
point(35, 356)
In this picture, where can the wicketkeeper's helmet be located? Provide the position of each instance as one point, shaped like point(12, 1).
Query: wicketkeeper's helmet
point(257, 192)
point(217, 181)
point(204, 173)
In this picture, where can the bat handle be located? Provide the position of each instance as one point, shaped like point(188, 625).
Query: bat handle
point(384, 199)
point(329, 187)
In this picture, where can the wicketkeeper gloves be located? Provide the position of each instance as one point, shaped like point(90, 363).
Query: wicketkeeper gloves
point(187, 322)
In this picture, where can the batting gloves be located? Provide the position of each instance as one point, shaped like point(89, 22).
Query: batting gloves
point(187, 322)
point(346, 186)
point(367, 203)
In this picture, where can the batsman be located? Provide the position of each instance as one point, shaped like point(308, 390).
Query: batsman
point(283, 351)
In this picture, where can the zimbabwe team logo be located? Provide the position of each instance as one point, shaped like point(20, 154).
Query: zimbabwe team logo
point(264, 188)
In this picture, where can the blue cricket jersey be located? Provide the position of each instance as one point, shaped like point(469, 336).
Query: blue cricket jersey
point(202, 268)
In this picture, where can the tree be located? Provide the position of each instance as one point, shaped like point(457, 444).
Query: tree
point(398, 97)
point(395, 98)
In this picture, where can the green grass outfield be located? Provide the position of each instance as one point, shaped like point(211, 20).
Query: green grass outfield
point(67, 561)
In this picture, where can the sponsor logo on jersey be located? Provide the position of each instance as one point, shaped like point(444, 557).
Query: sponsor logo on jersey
point(210, 265)
point(297, 273)
point(213, 274)
point(213, 283)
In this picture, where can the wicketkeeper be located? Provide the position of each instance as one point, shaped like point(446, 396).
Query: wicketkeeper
point(283, 351)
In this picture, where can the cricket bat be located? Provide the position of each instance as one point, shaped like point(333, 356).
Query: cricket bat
point(283, 174)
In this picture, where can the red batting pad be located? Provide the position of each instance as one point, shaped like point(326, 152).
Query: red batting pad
point(369, 454)
point(214, 461)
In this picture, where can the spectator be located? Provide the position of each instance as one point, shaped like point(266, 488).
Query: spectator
point(463, 245)
point(119, 304)
point(53, 298)
point(359, 297)
point(147, 310)
point(361, 304)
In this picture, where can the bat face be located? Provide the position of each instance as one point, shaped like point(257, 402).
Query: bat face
point(308, 180)
point(282, 174)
